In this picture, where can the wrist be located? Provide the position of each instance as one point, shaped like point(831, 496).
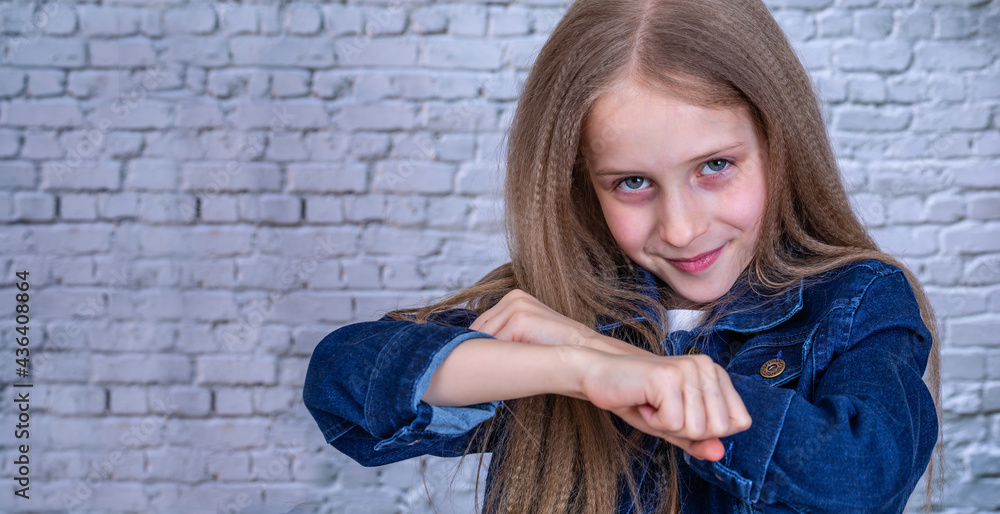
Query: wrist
point(574, 362)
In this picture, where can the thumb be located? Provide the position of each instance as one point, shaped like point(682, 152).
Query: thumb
point(708, 449)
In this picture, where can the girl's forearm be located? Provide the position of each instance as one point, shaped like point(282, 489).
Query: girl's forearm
point(486, 370)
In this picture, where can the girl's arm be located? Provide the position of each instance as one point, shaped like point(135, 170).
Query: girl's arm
point(687, 400)
point(364, 384)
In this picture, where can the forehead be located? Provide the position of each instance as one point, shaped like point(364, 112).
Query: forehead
point(631, 117)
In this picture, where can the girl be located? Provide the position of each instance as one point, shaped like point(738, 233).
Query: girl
point(693, 319)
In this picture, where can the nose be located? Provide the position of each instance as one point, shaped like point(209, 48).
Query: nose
point(682, 219)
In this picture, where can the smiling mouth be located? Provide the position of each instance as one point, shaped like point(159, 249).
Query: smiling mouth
point(697, 263)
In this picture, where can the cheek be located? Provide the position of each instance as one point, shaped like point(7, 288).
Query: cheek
point(627, 226)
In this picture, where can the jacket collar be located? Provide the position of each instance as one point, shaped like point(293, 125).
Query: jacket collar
point(750, 312)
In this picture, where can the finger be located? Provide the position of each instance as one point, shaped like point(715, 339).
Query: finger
point(694, 409)
point(500, 306)
point(717, 417)
point(668, 400)
point(708, 449)
point(739, 417)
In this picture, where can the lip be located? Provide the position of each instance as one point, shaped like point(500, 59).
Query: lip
point(697, 263)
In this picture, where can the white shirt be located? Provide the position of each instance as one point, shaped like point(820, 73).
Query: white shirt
point(684, 319)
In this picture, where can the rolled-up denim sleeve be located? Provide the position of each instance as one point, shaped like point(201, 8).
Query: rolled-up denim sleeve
point(866, 436)
point(364, 387)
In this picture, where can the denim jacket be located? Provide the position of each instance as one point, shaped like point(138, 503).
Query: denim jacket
point(830, 373)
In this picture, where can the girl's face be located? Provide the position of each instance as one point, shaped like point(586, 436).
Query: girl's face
point(682, 187)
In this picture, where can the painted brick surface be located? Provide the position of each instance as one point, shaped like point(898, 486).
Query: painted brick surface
point(202, 190)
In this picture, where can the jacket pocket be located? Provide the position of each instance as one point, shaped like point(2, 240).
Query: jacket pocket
point(774, 361)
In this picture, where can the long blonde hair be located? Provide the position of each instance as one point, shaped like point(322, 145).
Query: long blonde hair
point(558, 454)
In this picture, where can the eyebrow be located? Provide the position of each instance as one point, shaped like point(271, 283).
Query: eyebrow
point(702, 157)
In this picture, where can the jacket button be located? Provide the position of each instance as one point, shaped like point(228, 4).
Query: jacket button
point(772, 368)
point(694, 350)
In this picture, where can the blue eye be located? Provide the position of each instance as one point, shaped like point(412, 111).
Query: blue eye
point(633, 183)
point(714, 166)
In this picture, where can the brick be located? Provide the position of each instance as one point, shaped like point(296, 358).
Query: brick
point(78, 207)
point(12, 82)
point(392, 241)
point(878, 56)
point(330, 84)
point(951, 119)
point(986, 87)
point(796, 25)
point(73, 239)
point(235, 369)
point(472, 116)
point(920, 240)
point(219, 208)
point(327, 177)
point(275, 400)
point(285, 146)
point(230, 83)
point(307, 114)
point(183, 401)
point(42, 83)
point(193, 19)
point(49, 52)
point(404, 211)
point(108, 21)
point(371, 87)
point(238, 19)
point(233, 401)
point(984, 206)
point(873, 23)
point(952, 56)
point(228, 467)
point(324, 209)
point(71, 400)
point(10, 145)
point(954, 25)
point(289, 83)
point(124, 52)
point(428, 20)
point(141, 368)
point(834, 23)
point(982, 271)
point(341, 20)
point(972, 238)
point(152, 175)
point(60, 22)
point(230, 177)
point(198, 241)
point(39, 144)
point(872, 120)
point(467, 20)
point(413, 176)
point(510, 21)
point(302, 19)
point(977, 331)
point(868, 89)
point(462, 54)
point(204, 51)
point(285, 51)
point(176, 464)
point(209, 274)
point(34, 206)
point(381, 52)
point(385, 20)
point(423, 86)
point(943, 209)
point(385, 116)
point(128, 400)
point(43, 113)
point(118, 206)
point(199, 115)
point(273, 209)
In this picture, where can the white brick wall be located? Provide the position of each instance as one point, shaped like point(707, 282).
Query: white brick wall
point(202, 190)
